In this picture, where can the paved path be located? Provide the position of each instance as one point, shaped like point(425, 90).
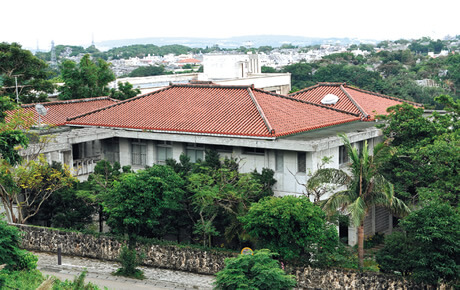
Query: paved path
point(99, 274)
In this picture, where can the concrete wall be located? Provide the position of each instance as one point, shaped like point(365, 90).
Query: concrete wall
point(196, 260)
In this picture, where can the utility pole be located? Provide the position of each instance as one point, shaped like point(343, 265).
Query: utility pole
point(17, 94)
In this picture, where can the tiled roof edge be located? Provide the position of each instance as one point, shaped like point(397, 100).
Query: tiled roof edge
point(69, 101)
point(189, 132)
point(261, 112)
point(365, 115)
point(292, 133)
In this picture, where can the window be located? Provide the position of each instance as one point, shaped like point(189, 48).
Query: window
point(164, 151)
point(359, 146)
point(253, 151)
point(279, 161)
point(223, 148)
point(112, 150)
point(195, 152)
point(138, 153)
point(343, 155)
point(302, 162)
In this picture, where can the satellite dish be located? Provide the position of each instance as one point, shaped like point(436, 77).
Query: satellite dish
point(330, 99)
point(41, 109)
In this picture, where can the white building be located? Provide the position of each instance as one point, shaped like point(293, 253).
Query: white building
point(289, 134)
point(224, 69)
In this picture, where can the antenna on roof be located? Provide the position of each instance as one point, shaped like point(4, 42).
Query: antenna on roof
point(41, 110)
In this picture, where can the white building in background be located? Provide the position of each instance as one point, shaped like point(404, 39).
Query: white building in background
point(225, 69)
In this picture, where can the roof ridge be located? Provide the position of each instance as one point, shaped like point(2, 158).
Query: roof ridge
point(69, 101)
point(354, 102)
point(271, 131)
point(383, 95)
point(305, 90)
point(212, 85)
point(288, 97)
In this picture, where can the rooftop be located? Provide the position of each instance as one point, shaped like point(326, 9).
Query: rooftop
point(215, 110)
point(350, 99)
point(58, 111)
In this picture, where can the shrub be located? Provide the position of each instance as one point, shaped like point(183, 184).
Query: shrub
point(26, 261)
point(430, 247)
point(294, 227)
point(129, 260)
point(258, 271)
point(10, 254)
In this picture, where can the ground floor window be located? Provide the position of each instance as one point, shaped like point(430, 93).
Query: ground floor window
point(302, 162)
point(138, 154)
point(195, 152)
point(343, 155)
point(164, 151)
point(279, 161)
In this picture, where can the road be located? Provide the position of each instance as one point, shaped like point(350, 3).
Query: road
point(99, 273)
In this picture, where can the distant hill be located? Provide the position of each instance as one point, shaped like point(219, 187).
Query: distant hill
point(232, 42)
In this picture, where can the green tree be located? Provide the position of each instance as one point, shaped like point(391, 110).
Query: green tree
point(365, 188)
point(87, 79)
point(10, 254)
point(30, 73)
point(145, 71)
point(222, 188)
point(430, 246)
point(425, 152)
point(98, 185)
point(294, 227)
point(138, 200)
point(125, 91)
point(258, 271)
point(28, 185)
point(301, 75)
point(268, 70)
point(65, 209)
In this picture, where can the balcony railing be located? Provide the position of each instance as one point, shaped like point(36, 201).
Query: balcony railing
point(85, 165)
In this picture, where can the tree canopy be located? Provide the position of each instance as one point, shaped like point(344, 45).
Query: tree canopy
point(87, 79)
point(21, 67)
point(425, 152)
point(138, 200)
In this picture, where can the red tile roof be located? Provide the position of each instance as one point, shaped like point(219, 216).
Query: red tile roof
point(59, 111)
point(189, 60)
point(365, 103)
point(215, 109)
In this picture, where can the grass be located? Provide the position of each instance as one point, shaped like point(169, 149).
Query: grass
point(32, 279)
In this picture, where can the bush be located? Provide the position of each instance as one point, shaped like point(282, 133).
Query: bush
point(9, 242)
point(258, 271)
point(374, 240)
point(394, 255)
point(26, 261)
point(129, 261)
point(295, 228)
point(429, 250)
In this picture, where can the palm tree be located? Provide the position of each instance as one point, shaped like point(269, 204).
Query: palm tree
point(365, 187)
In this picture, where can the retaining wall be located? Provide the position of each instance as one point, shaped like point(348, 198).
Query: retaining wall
point(196, 260)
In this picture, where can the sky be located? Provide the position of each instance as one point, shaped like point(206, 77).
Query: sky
point(32, 22)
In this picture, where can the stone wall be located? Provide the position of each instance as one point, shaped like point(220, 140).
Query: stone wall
point(312, 278)
point(108, 248)
point(195, 260)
